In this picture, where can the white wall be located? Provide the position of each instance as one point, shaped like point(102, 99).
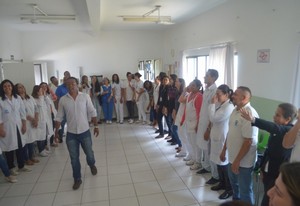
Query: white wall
point(107, 53)
point(10, 43)
point(253, 25)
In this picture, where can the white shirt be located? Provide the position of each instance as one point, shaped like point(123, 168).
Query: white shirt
point(219, 118)
point(11, 114)
point(77, 112)
point(138, 87)
point(31, 109)
point(129, 92)
point(240, 128)
point(204, 119)
point(295, 156)
point(117, 88)
point(156, 93)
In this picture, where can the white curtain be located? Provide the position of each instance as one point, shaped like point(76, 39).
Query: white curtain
point(296, 87)
point(221, 59)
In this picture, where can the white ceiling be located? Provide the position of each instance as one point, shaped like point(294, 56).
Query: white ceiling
point(96, 15)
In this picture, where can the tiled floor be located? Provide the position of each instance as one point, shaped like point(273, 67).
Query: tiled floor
point(134, 169)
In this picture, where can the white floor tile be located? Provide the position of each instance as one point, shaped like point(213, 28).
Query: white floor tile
point(155, 199)
point(172, 184)
point(94, 195)
point(40, 199)
point(146, 188)
point(121, 191)
point(180, 198)
point(130, 201)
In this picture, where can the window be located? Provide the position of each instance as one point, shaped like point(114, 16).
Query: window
point(198, 65)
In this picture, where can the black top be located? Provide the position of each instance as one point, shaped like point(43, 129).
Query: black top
point(275, 153)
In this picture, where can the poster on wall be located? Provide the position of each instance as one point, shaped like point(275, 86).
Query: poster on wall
point(263, 56)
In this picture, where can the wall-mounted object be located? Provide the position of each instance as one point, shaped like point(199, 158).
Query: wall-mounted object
point(263, 56)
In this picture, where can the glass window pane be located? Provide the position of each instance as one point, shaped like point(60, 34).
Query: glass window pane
point(202, 67)
point(192, 70)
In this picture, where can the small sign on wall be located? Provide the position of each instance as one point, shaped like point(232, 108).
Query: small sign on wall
point(263, 56)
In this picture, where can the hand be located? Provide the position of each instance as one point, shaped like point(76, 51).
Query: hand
point(96, 131)
point(207, 134)
point(23, 129)
point(2, 133)
point(246, 114)
point(115, 100)
point(235, 167)
point(214, 99)
point(223, 155)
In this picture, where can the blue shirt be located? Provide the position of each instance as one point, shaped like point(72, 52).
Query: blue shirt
point(61, 90)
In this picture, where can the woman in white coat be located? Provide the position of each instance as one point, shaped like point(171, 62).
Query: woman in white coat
point(37, 94)
point(13, 117)
point(219, 112)
point(31, 124)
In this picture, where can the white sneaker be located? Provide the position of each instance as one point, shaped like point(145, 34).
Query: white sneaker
point(109, 122)
point(130, 121)
point(190, 162)
point(43, 153)
point(11, 179)
point(180, 154)
point(187, 158)
point(195, 166)
point(25, 169)
point(138, 121)
point(48, 151)
point(144, 122)
point(13, 172)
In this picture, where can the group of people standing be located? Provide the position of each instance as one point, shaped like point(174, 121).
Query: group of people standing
point(216, 131)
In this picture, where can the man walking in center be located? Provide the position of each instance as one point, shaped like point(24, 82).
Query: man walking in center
point(77, 107)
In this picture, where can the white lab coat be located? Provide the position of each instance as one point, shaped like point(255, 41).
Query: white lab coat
point(219, 117)
point(31, 109)
point(50, 108)
point(11, 114)
point(204, 119)
point(42, 124)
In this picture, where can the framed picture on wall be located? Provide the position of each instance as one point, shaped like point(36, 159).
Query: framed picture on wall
point(263, 56)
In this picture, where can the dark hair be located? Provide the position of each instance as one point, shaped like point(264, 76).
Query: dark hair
point(51, 78)
point(128, 73)
point(83, 82)
point(213, 73)
point(2, 94)
point(162, 75)
point(48, 91)
point(73, 78)
point(137, 74)
point(245, 89)
point(198, 83)
point(226, 90)
point(97, 85)
point(118, 79)
point(150, 85)
point(182, 85)
point(16, 88)
point(291, 179)
point(35, 91)
point(288, 110)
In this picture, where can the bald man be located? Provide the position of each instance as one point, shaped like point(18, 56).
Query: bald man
point(241, 146)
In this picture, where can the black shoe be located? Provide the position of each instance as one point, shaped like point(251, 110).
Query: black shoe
point(159, 136)
point(94, 170)
point(170, 140)
point(173, 143)
point(166, 132)
point(60, 140)
point(77, 184)
point(226, 195)
point(217, 187)
point(157, 131)
point(202, 171)
point(212, 181)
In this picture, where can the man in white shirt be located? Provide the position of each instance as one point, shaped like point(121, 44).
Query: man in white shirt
point(241, 145)
point(129, 94)
point(77, 107)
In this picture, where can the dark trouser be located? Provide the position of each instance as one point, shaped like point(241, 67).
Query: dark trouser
point(41, 145)
point(269, 182)
point(130, 108)
point(168, 121)
point(19, 153)
point(28, 151)
point(62, 129)
point(3, 166)
point(175, 136)
point(223, 177)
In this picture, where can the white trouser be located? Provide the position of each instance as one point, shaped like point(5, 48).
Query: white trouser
point(141, 110)
point(205, 160)
point(195, 150)
point(214, 170)
point(183, 137)
point(119, 110)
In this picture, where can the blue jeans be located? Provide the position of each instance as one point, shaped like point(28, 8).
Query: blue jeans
point(28, 151)
point(73, 142)
point(175, 135)
point(108, 108)
point(3, 166)
point(169, 121)
point(242, 184)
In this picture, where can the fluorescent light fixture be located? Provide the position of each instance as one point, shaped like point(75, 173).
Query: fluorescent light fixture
point(48, 17)
point(155, 19)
